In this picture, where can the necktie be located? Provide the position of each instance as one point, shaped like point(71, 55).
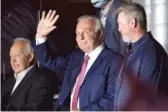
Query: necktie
point(79, 83)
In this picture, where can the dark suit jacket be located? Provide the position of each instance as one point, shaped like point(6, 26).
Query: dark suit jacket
point(33, 93)
point(98, 88)
point(112, 37)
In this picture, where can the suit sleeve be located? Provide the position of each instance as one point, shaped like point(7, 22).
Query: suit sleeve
point(106, 102)
point(43, 55)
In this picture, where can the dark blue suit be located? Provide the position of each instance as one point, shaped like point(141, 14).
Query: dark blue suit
point(112, 37)
point(98, 88)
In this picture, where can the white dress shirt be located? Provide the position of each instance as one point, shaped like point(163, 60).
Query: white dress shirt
point(40, 40)
point(19, 77)
point(93, 56)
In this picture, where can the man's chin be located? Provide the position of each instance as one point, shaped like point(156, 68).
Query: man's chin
point(126, 40)
point(16, 71)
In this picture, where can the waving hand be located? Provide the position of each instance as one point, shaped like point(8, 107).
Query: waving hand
point(46, 24)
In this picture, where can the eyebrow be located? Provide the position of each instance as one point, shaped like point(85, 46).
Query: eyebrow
point(87, 29)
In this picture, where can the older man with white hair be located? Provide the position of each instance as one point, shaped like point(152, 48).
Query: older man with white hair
point(28, 88)
point(90, 72)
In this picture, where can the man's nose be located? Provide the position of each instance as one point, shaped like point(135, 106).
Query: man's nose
point(81, 37)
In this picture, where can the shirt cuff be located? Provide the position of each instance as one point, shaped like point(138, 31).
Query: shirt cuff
point(40, 40)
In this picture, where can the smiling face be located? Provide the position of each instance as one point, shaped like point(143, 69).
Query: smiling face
point(86, 36)
point(19, 59)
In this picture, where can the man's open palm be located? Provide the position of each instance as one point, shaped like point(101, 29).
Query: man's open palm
point(46, 24)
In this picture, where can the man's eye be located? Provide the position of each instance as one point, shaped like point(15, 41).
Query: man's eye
point(85, 31)
point(77, 35)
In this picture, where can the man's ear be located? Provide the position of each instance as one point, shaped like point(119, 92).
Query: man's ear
point(31, 57)
point(134, 22)
point(100, 33)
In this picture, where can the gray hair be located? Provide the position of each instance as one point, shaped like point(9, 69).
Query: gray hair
point(98, 24)
point(28, 47)
point(135, 11)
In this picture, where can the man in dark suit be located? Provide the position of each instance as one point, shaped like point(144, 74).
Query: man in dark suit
point(28, 88)
point(108, 16)
point(147, 61)
point(90, 72)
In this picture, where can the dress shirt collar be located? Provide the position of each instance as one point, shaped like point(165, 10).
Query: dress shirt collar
point(95, 52)
point(22, 74)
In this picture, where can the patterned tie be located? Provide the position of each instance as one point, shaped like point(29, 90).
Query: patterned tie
point(79, 83)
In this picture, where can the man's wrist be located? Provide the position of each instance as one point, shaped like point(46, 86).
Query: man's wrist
point(38, 35)
point(40, 39)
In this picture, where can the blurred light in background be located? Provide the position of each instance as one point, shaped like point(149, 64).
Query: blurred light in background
point(157, 17)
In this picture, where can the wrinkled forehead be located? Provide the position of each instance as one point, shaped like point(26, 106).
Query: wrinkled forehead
point(17, 47)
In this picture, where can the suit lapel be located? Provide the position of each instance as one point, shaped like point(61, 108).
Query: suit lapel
point(95, 65)
point(23, 82)
point(77, 70)
point(75, 74)
point(11, 84)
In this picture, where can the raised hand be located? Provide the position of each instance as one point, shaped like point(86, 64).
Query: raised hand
point(46, 24)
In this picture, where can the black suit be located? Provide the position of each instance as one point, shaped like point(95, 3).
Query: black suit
point(34, 92)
